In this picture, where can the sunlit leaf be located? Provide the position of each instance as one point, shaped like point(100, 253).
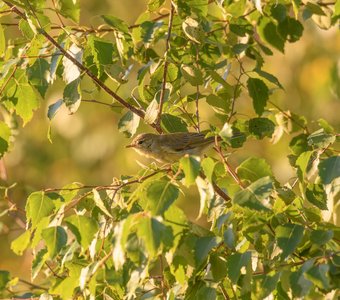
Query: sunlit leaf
point(159, 195)
point(254, 195)
point(128, 124)
point(20, 244)
point(84, 229)
point(253, 169)
point(55, 239)
point(5, 134)
point(192, 30)
point(191, 167)
point(151, 112)
point(39, 205)
point(71, 71)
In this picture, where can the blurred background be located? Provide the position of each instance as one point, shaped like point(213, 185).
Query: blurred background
point(88, 148)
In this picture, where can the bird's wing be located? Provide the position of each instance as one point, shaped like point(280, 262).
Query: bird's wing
point(178, 142)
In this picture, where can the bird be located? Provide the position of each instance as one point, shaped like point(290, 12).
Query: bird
point(167, 148)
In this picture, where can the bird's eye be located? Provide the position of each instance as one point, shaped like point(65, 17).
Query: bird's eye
point(140, 142)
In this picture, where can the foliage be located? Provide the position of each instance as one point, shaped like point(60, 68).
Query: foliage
point(130, 239)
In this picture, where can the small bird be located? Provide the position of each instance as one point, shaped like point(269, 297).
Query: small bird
point(170, 147)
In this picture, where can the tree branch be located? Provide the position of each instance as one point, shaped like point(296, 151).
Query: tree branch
point(166, 63)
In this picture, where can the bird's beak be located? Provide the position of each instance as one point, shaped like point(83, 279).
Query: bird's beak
point(130, 146)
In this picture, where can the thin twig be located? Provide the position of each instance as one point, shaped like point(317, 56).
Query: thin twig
point(100, 102)
point(8, 79)
point(166, 63)
point(224, 292)
point(197, 95)
point(229, 169)
point(57, 13)
point(288, 116)
point(53, 272)
point(33, 285)
point(218, 190)
point(162, 277)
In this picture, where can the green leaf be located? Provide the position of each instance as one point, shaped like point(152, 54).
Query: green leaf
point(55, 239)
point(229, 238)
point(206, 192)
point(69, 9)
point(173, 123)
point(38, 262)
point(5, 134)
point(270, 77)
point(159, 195)
point(258, 91)
point(269, 33)
point(20, 244)
point(72, 95)
point(191, 167)
point(2, 42)
point(220, 104)
point(26, 29)
point(128, 124)
point(218, 267)
point(148, 31)
point(116, 23)
point(261, 127)
point(192, 74)
point(268, 284)
point(53, 108)
point(320, 139)
point(279, 12)
point(319, 276)
point(329, 169)
point(39, 75)
point(288, 238)
point(5, 278)
point(253, 169)
point(299, 144)
point(316, 195)
point(290, 29)
point(208, 166)
point(199, 7)
point(65, 288)
point(303, 163)
point(203, 247)
point(154, 233)
point(84, 228)
point(236, 262)
point(321, 237)
point(193, 30)
point(155, 4)
point(102, 52)
point(253, 195)
point(100, 203)
point(239, 48)
point(38, 206)
point(23, 99)
point(298, 282)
